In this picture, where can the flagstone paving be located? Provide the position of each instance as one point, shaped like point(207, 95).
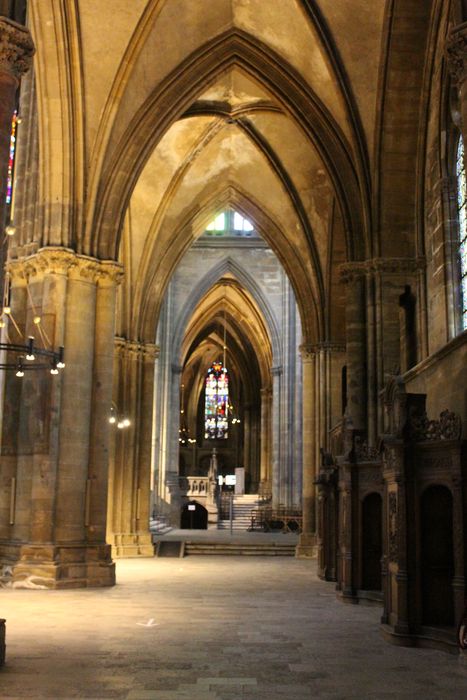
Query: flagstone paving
point(211, 628)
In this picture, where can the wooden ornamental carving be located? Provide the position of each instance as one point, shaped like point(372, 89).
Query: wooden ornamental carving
point(365, 452)
point(392, 526)
point(448, 427)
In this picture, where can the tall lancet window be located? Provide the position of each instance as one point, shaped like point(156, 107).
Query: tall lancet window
point(216, 403)
point(11, 159)
point(462, 216)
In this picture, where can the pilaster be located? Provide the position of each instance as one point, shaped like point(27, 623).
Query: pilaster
point(265, 465)
point(373, 290)
point(306, 546)
point(129, 483)
point(353, 275)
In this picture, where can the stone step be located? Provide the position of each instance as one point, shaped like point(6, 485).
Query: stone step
point(270, 549)
point(236, 524)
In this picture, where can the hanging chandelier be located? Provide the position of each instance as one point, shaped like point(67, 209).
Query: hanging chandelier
point(26, 354)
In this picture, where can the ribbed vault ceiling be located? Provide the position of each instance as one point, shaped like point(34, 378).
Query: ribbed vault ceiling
point(188, 106)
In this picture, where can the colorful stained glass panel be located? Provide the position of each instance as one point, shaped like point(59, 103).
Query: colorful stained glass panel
point(216, 403)
point(11, 159)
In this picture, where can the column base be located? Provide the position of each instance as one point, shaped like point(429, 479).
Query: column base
point(444, 638)
point(131, 544)
point(56, 565)
point(306, 548)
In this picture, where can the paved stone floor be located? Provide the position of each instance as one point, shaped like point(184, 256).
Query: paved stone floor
point(211, 628)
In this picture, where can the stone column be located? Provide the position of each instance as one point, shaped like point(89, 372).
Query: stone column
point(265, 464)
point(247, 429)
point(371, 373)
point(12, 388)
point(108, 278)
point(75, 424)
point(276, 434)
point(16, 52)
point(48, 544)
point(353, 276)
point(149, 355)
point(307, 541)
point(129, 497)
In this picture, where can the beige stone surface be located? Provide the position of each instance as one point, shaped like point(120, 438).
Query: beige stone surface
point(216, 628)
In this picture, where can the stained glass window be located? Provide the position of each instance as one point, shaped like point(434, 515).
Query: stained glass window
point(11, 158)
point(216, 403)
point(462, 215)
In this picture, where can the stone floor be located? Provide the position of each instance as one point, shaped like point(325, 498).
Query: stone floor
point(211, 628)
point(224, 536)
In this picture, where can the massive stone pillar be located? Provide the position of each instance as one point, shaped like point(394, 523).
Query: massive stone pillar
point(306, 546)
point(54, 536)
point(129, 497)
point(16, 51)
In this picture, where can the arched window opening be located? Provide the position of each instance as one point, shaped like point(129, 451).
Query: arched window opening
point(230, 224)
point(462, 218)
point(11, 159)
point(216, 407)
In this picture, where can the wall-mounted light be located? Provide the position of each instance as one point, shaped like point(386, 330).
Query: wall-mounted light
point(116, 419)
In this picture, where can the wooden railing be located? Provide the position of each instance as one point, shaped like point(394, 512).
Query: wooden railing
point(275, 520)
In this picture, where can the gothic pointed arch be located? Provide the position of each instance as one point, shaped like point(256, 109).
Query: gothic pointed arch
point(178, 92)
point(196, 219)
point(232, 267)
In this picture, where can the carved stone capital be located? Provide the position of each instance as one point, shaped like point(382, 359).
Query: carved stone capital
point(327, 346)
point(64, 261)
point(456, 53)
point(110, 273)
point(119, 345)
point(15, 272)
point(46, 260)
point(85, 268)
point(16, 48)
point(396, 265)
point(307, 352)
point(136, 350)
point(354, 271)
point(150, 351)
